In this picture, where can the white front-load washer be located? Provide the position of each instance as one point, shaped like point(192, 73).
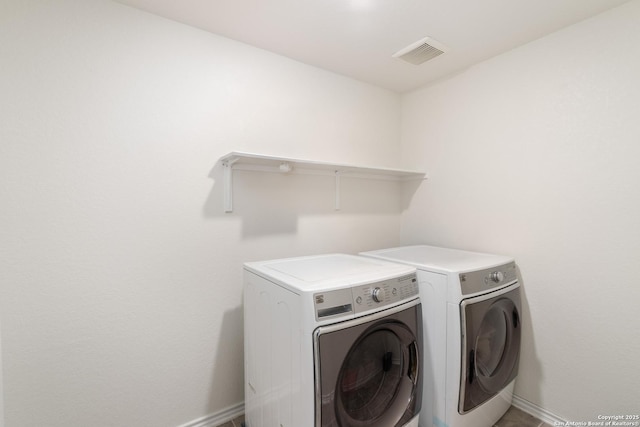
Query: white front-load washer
point(332, 341)
point(472, 327)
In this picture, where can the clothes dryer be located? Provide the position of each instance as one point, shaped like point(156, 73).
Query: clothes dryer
point(472, 327)
point(332, 341)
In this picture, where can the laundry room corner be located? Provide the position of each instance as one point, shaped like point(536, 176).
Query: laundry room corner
point(533, 154)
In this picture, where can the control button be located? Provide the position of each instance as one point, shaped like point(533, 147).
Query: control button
point(376, 294)
point(497, 276)
point(394, 291)
point(359, 300)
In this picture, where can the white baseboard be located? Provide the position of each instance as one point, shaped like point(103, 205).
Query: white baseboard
point(217, 418)
point(228, 414)
point(538, 412)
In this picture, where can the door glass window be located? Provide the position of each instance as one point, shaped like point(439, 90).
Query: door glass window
point(370, 375)
point(491, 342)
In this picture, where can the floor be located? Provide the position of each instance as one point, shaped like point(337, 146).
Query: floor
point(236, 422)
point(517, 418)
point(513, 418)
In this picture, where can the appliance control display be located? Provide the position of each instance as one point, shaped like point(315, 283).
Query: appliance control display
point(377, 295)
point(478, 281)
point(497, 276)
point(365, 297)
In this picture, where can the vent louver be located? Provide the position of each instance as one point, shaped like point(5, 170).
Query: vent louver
point(421, 51)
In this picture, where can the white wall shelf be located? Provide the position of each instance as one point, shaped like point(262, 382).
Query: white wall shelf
point(272, 164)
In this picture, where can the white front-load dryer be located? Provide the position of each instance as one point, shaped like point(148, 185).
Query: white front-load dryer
point(472, 327)
point(332, 341)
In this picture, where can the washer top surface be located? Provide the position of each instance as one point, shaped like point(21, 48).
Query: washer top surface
point(324, 272)
point(442, 260)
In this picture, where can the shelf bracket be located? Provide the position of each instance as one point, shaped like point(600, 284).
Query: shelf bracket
point(227, 179)
point(337, 173)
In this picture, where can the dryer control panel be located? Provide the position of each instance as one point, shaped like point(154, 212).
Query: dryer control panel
point(363, 298)
point(481, 280)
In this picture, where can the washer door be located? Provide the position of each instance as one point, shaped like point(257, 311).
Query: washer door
point(368, 370)
point(491, 346)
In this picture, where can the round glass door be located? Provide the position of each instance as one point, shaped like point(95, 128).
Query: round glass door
point(378, 378)
point(491, 342)
point(497, 346)
point(370, 376)
point(492, 347)
point(368, 372)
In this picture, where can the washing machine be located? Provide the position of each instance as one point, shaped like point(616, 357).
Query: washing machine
point(332, 341)
point(472, 330)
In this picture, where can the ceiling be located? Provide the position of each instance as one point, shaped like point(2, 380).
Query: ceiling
point(357, 38)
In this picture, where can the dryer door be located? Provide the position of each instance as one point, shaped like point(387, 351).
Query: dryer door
point(368, 370)
point(491, 345)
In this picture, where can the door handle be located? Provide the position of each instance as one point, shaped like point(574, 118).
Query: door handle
point(414, 364)
point(472, 366)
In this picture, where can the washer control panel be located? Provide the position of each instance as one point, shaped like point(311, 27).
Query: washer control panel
point(478, 281)
point(365, 297)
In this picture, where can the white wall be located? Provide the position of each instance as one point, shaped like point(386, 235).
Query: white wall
point(536, 154)
point(121, 277)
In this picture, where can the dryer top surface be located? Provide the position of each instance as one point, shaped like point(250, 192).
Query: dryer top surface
point(323, 272)
point(441, 260)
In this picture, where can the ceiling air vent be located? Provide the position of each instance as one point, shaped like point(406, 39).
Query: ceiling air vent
point(421, 51)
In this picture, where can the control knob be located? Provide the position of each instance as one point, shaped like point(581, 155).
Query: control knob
point(376, 294)
point(497, 276)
